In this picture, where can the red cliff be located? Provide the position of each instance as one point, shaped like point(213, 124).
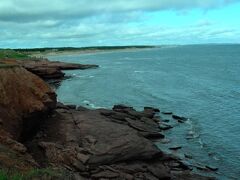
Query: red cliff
point(23, 96)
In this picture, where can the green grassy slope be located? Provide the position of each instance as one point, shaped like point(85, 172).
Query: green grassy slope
point(12, 54)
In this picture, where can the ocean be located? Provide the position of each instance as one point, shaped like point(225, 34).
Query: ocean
point(200, 82)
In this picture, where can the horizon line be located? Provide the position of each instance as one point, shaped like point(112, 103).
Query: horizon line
point(118, 46)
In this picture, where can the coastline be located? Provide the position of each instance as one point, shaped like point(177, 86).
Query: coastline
point(103, 153)
point(90, 51)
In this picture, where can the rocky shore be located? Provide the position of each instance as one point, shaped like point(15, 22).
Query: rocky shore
point(78, 143)
point(46, 69)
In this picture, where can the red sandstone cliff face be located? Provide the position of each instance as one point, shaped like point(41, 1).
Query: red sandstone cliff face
point(24, 98)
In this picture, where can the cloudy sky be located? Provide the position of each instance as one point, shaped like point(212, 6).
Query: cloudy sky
point(76, 23)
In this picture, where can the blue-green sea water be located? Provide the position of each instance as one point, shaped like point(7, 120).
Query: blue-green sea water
point(201, 82)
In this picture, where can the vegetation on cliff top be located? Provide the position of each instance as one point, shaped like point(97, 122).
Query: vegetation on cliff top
point(8, 53)
point(81, 48)
point(11, 54)
point(25, 53)
point(35, 173)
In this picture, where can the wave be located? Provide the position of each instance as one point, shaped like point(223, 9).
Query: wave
point(91, 105)
point(139, 71)
point(192, 133)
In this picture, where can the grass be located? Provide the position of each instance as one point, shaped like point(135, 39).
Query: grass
point(81, 48)
point(5, 176)
point(12, 54)
point(35, 173)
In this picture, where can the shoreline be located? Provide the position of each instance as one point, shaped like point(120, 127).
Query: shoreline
point(80, 52)
point(95, 144)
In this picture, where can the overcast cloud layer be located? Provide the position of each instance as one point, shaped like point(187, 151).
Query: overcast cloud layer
point(46, 23)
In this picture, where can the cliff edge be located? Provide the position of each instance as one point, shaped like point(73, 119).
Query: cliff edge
point(24, 100)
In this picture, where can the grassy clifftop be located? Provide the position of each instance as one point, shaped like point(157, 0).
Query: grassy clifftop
point(40, 52)
point(82, 48)
point(12, 54)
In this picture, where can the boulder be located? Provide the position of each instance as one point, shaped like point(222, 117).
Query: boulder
point(175, 147)
point(212, 168)
point(164, 126)
point(167, 113)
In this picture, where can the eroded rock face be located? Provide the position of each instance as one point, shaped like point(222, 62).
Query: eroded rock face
point(24, 100)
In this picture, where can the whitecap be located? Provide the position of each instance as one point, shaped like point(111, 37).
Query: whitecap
point(91, 105)
point(86, 102)
point(138, 71)
point(216, 158)
point(94, 107)
point(200, 142)
point(192, 134)
point(80, 76)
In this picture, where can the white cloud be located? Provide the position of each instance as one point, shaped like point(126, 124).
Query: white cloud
point(35, 23)
point(28, 10)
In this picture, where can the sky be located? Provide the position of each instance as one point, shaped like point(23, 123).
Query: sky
point(79, 23)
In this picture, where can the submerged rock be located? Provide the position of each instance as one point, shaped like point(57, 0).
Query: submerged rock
point(175, 148)
point(164, 126)
point(179, 118)
point(167, 113)
point(188, 156)
point(165, 120)
point(212, 168)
